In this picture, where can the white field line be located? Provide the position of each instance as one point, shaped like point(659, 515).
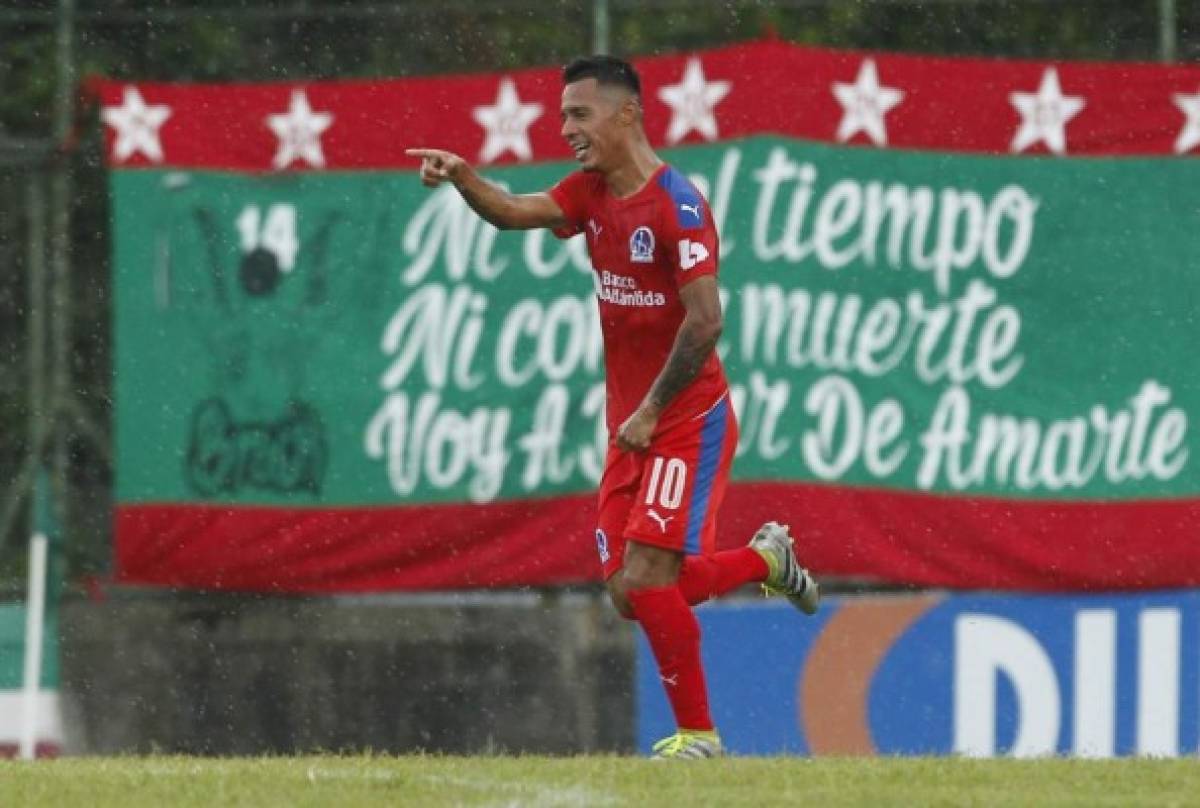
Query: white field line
point(510, 795)
point(541, 796)
point(315, 773)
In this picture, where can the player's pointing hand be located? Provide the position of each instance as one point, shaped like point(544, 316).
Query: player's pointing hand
point(438, 166)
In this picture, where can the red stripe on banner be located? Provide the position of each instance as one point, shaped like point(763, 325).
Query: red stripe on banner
point(269, 549)
point(981, 542)
point(920, 539)
point(946, 104)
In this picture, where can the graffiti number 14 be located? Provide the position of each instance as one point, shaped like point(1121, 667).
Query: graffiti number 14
point(275, 233)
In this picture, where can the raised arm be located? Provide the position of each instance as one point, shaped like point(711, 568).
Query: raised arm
point(505, 210)
point(695, 340)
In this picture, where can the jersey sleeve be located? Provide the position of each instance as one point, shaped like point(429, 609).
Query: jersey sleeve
point(691, 234)
point(572, 194)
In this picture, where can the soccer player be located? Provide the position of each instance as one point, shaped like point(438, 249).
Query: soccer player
point(672, 431)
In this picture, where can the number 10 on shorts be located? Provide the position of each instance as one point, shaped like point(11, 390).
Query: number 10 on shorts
point(667, 479)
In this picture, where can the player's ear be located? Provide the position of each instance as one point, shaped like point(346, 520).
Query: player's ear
point(631, 110)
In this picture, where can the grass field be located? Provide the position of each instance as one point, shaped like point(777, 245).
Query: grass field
point(594, 781)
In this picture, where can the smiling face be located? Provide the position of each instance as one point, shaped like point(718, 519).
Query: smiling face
point(597, 120)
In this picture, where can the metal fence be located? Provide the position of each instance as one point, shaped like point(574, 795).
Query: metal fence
point(55, 374)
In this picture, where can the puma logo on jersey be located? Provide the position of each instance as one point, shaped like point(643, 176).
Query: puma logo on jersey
point(693, 209)
point(670, 681)
point(691, 253)
point(662, 521)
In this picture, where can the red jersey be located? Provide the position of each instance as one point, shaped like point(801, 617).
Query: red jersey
point(644, 247)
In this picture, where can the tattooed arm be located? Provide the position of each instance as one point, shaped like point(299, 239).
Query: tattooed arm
point(505, 210)
point(695, 340)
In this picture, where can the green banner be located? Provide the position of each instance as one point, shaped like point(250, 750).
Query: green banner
point(1017, 327)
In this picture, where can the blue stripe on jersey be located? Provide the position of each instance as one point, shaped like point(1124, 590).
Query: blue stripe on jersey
point(712, 439)
point(688, 204)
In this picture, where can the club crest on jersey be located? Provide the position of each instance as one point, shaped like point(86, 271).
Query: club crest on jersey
point(602, 545)
point(641, 246)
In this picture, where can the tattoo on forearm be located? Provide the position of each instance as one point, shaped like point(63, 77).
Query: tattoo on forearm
point(687, 357)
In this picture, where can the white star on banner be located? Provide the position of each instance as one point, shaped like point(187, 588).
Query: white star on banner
point(1189, 135)
point(299, 132)
point(864, 103)
point(507, 124)
point(1044, 114)
point(137, 126)
point(692, 102)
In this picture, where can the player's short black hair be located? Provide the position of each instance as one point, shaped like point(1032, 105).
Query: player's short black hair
point(605, 70)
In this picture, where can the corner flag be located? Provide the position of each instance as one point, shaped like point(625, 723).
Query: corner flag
point(30, 718)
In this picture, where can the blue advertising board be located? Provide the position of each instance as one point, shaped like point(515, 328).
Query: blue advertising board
point(975, 675)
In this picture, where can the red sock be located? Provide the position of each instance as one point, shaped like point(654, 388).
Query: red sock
point(705, 577)
point(674, 636)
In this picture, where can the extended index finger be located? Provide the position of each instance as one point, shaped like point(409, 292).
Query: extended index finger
point(423, 153)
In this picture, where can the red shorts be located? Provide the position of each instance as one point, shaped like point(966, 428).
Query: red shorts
point(667, 496)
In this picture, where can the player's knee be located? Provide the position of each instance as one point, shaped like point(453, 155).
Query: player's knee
point(616, 593)
point(638, 577)
point(649, 568)
point(622, 605)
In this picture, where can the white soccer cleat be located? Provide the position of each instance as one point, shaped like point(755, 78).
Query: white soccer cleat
point(689, 745)
point(785, 576)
